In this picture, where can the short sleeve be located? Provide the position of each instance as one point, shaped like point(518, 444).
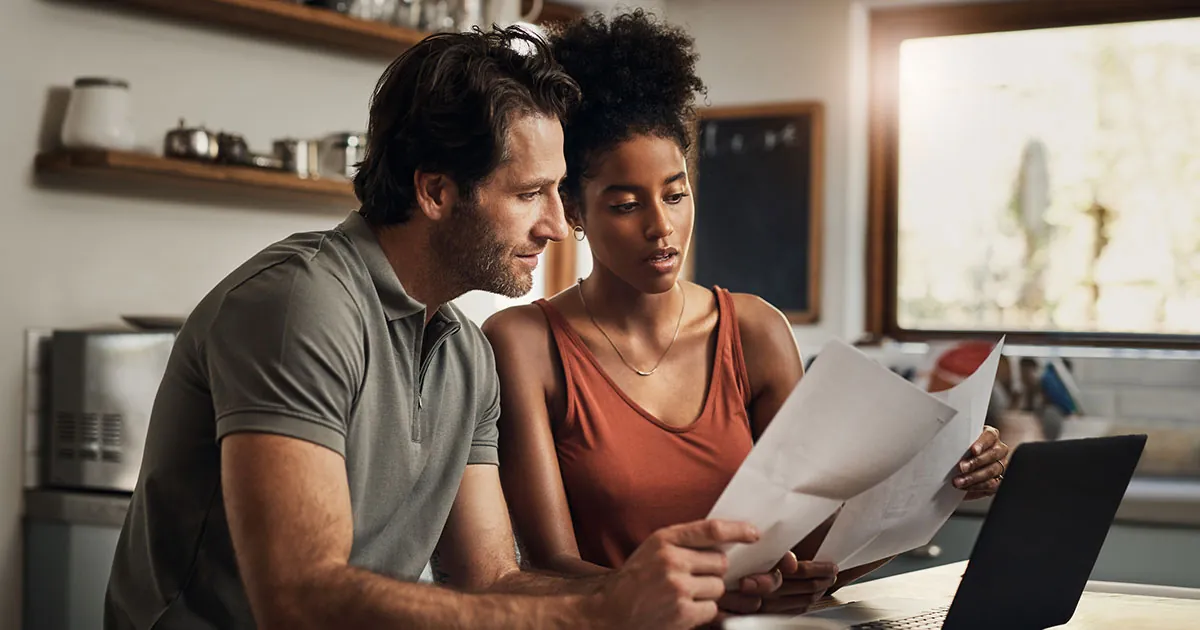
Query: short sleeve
point(484, 442)
point(285, 355)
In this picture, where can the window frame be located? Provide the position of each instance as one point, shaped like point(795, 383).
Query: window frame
point(889, 28)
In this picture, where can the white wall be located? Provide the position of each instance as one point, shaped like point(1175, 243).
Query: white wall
point(72, 258)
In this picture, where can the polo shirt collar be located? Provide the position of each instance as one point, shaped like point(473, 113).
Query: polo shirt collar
point(396, 303)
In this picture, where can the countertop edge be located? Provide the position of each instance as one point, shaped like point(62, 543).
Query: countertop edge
point(1173, 503)
point(1148, 501)
point(76, 507)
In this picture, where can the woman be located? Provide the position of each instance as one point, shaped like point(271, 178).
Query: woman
point(630, 399)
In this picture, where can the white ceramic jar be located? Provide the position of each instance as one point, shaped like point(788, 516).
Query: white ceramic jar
point(98, 115)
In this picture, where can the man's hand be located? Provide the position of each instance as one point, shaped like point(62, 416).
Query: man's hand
point(801, 588)
point(674, 579)
point(982, 468)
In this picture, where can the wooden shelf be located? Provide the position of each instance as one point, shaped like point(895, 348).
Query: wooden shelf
point(151, 171)
point(286, 20)
point(301, 23)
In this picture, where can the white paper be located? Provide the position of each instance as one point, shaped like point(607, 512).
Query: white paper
point(849, 424)
point(908, 508)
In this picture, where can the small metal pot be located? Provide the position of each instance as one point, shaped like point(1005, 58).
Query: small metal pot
point(192, 143)
point(232, 149)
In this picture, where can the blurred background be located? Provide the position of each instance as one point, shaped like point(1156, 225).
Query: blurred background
point(951, 172)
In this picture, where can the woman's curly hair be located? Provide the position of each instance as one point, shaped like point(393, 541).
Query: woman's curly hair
point(637, 76)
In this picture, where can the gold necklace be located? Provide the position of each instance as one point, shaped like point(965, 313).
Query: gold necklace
point(654, 369)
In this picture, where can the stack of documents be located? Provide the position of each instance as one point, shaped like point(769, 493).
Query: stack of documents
point(856, 436)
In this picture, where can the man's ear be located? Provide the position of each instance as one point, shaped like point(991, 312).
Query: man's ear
point(436, 194)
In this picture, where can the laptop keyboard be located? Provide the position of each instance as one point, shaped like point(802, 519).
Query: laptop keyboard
point(931, 620)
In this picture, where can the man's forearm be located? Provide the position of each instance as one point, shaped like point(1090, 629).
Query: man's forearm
point(350, 597)
point(530, 582)
point(563, 573)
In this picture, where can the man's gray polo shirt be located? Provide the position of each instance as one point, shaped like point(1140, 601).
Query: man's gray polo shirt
point(312, 338)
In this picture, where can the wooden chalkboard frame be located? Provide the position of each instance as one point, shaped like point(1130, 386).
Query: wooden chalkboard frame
point(815, 112)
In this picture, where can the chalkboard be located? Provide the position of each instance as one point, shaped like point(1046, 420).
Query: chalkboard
point(758, 204)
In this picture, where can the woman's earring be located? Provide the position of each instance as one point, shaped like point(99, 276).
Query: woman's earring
point(578, 232)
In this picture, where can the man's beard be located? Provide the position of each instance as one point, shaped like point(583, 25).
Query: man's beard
point(471, 253)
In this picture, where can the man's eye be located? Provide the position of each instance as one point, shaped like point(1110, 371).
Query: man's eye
point(529, 196)
point(676, 198)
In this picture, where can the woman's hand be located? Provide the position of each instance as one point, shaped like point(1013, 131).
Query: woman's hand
point(753, 588)
point(802, 588)
point(982, 468)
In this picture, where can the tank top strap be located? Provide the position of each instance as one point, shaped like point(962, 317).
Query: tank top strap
point(730, 336)
point(570, 348)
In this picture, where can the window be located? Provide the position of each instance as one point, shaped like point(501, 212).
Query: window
point(1036, 171)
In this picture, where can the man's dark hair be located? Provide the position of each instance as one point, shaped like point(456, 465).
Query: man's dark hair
point(445, 106)
point(638, 77)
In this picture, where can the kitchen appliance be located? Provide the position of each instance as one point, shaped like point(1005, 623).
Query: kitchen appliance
point(154, 322)
point(193, 143)
point(340, 154)
point(102, 388)
point(98, 115)
point(70, 540)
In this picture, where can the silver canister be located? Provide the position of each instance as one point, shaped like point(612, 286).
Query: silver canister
point(340, 154)
point(467, 14)
point(377, 10)
point(408, 14)
point(437, 16)
point(301, 157)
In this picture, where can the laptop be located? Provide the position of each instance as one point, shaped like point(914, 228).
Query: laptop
point(1037, 547)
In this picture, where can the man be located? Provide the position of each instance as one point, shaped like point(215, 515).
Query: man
point(328, 419)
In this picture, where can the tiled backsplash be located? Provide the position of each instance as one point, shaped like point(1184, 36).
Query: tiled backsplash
point(1164, 387)
point(1180, 372)
point(1160, 389)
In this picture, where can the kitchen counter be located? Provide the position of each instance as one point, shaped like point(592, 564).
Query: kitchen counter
point(70, 538)
point(104, 509)
point(1101, 605)
point(1148, 500)
point(1172, 502)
